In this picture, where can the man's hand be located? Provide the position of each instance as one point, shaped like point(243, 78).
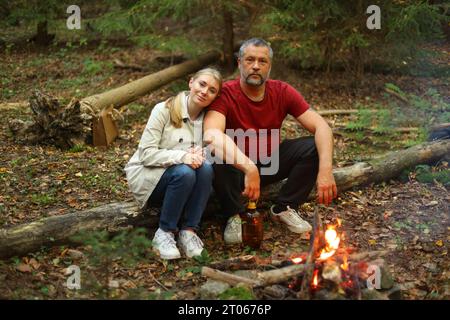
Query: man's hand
point(326, 187)
point(252, 183)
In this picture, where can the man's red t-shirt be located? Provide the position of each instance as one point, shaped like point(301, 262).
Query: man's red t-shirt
point(280, 99)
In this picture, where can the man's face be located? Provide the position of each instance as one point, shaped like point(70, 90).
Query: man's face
point(255, 65)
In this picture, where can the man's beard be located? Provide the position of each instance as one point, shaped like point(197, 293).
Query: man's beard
point(254, 82)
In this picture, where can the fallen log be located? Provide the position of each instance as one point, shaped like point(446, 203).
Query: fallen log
point(131, 91)
point(280, 275)
point(65, 126)
point(264, 278)
point(229, 278)
point(237, 263)
point(25, 238)
point(383, 168)
point(51, 231)
point(340, 112)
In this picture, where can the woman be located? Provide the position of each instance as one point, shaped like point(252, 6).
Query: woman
point(169, 168)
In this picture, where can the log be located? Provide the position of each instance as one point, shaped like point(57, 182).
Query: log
point(237, 263)
point(383, 168)
point(131, 91)
point(280, 275)
point(264, 278)
point(229, 278)
point(340, 112)
point(25, 238)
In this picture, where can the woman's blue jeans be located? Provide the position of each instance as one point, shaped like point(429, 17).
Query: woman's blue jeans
point(182, 189)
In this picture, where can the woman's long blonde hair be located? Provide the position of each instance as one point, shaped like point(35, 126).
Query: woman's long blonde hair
point(175, 103)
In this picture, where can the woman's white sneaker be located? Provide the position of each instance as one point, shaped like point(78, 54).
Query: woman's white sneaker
point(164, 244)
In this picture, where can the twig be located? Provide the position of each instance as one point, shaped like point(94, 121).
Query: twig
point(122, 65)
point(159, 283)
point(315, 243)
point(397, 95)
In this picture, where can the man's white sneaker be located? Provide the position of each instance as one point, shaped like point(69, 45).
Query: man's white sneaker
point(190, 243)
point(164, 244)
point(292, 219)
point(233, 230)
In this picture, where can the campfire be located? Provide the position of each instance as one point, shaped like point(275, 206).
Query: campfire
point(327, 266)
point(330, 270)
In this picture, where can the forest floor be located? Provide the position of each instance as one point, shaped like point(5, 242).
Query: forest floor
point(409, 217)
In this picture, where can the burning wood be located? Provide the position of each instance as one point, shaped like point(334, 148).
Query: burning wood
point(328, 270)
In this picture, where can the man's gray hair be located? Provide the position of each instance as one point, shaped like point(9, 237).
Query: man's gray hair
point(257, 42)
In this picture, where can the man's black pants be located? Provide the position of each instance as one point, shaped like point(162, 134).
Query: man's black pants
point(298, 162)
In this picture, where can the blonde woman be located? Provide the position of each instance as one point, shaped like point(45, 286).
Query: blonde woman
point(169, 168)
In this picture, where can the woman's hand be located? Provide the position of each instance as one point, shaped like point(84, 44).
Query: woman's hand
point(194, 160)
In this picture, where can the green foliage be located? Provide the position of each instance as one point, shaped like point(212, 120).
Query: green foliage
point(363, 121)
point(126, 248)
point(384, 122)
point(204, 258)
point(426, 174)
point(170, 44)
point(129, 247)
point(237, 293)
point(42, 199)
point(332, 33)
point(91, 67)
point(428, 109)
point(77, 148)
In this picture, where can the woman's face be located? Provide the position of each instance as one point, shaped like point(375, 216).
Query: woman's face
point(204, 89)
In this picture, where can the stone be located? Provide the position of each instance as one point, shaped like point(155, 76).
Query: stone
point(332, 272)
point(75, 254)
point(372, 294)
point(275, 291)
point(211, 289)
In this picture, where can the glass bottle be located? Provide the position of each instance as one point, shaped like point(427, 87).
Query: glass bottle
point(252, 226)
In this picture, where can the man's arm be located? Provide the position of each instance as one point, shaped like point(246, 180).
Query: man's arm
point(323, 136)
point(224, 148)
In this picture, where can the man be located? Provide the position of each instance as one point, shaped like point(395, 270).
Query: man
point(254, 103)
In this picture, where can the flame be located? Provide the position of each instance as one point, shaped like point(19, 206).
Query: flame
point(315, 281)
point(344, 266)
point(332, 243)
point(297, 260)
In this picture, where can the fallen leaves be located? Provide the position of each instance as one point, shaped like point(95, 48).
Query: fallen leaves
point(25, 268)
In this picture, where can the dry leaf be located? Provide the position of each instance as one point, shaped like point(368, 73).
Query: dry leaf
point(33, 262)
point(23, 267)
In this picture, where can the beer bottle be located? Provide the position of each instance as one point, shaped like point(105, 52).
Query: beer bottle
point(252, 226)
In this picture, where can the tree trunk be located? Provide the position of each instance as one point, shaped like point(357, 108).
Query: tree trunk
point(228, 40)
point(42, 37)
point(25, 238)
point(131, 91)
